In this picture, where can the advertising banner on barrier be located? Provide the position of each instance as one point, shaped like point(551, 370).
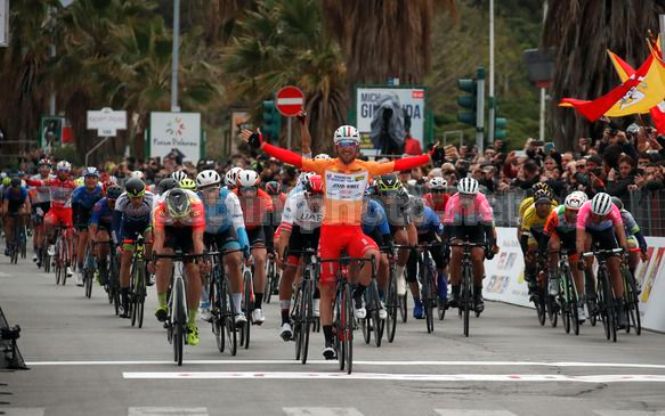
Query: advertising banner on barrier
point(504, 280)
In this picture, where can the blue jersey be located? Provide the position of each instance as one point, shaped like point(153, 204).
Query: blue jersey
point(429, 227)
point(102, 213)
point(15, 197)
point(86, 199)
point(223, 214)
point(374, 219)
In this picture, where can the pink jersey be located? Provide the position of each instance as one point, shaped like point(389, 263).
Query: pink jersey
point(477, 211)
point(584, 219)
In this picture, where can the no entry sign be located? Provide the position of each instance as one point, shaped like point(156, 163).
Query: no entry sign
point(290, 101)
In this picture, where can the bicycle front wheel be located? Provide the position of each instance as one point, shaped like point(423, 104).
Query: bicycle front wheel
point(307, 318)
point(179, 320)
point(347, 324)
point(391, 308)
point(466, 297)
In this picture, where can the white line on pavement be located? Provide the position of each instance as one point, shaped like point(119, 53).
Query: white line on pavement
point(280, 375)
point(555, 364)
point(629, 412)
point(472, 412)
point(23, 411)
point(321, 411)
point(167, 411)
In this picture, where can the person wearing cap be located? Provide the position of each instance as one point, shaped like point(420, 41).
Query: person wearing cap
point(84, 199)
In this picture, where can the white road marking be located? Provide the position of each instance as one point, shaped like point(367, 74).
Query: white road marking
point(279, 375)
point(472, 412)
point(551, 364)
point(321, 411)
point(629, 412)
point(22, 411)
point(167, 411)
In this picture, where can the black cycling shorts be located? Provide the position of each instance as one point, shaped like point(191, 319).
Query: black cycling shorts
point(301, 240)
point(257, 237)
point(179, 238)
point(472, 233)
point(604, 240)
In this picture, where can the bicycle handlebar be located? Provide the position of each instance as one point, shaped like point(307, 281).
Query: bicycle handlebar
point(602, 252)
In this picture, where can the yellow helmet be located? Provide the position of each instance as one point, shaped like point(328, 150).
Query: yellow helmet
point(188, 184)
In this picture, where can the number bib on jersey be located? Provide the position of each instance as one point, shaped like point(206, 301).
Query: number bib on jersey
point(346, 186)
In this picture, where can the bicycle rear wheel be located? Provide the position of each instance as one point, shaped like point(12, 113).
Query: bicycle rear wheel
point(244, 338)
point(551, 308)
point(635, 318)
point(297, 319)
point(87, 276)
point(428, 298)
point(604, 304)
point(391, 307)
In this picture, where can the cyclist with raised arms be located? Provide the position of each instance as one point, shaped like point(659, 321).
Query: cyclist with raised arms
point(224, 225)
point(469, 217)
point(61, 188)
point(131, 217)
point(84, 199)
point(560, 229)
point(179, 224)
point(299, 230)
point(345, 179)
point(599, 222)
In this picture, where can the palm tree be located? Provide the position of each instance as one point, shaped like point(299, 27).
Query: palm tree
point(384, 38)
point(580, 33)
point(283, 43)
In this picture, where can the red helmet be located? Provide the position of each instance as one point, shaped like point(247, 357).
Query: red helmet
point(314, 184)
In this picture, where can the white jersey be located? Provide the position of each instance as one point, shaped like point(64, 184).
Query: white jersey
point(297, 211)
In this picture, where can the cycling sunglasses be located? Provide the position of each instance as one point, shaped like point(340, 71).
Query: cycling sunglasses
point(347, 143)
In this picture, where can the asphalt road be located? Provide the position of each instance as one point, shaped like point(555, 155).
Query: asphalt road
point(85, 361)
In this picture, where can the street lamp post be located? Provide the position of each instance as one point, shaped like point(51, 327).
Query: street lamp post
point(175, 57)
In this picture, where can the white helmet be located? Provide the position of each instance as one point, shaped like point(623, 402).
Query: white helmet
point(322, 156)
point(247, 178)
point(90, 171)
point(137, 174)
point(468, 186)
point(575, 200)
point(303, 178)
point(179, 175)
point(231, 177)
point(346, 132)
point(601, 204)
point(438, 182)
point(63, 166)
point(208, 178)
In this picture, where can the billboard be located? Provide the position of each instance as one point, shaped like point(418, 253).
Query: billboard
point(411, 99)
point(181, 131)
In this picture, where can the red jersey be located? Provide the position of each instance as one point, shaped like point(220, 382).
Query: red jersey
point(255, 208)
point(61, 191)
point(439, 206)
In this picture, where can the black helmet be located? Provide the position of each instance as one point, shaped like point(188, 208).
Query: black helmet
point(135, 187)
point(177, 203)
point(388, 183)
point(16, 182)
point(617, 201)
point(166, 184)
point(113, 192)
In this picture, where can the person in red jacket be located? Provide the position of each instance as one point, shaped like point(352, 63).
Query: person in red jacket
point(345, 179)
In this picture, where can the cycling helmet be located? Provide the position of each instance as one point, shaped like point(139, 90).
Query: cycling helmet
point(179, 175)
point(6, 181)
point(438, 183)
point(113, 192)
point(177, 204)
point(3, 175)
point(346, 133)
point(273, 188)
point(575, 200)
point(417, 206)
point(137, 174)
point(91, 171)
point(314, 185)
point(208, 178)
point(388, 183)
point(231, 177)
point(322, 156)
point(15, 182)
point(601, 204)
point(166, 184)
point(467, 186)
point(304, 177)
point(135, 187)
point(248, 178)
point(63, 166)
point(541, 196)
point(43, 162)
point(188, 184)
point(618, 202)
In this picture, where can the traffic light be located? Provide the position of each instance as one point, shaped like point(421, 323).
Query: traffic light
point(467, 102)
point(272, 121)
point(500, 124)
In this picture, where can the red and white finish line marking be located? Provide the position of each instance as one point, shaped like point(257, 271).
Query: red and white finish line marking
point(285, 375)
